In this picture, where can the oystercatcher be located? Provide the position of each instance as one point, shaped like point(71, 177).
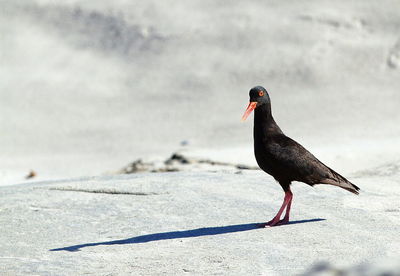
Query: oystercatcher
point(283, 158)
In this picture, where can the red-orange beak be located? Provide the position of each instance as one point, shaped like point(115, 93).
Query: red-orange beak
point(250, 108)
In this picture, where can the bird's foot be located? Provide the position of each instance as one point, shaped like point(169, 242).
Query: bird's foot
point(274, 222)
point(283, 221)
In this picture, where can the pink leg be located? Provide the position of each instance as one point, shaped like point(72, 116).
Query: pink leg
point(287, 202)
point(286, 218)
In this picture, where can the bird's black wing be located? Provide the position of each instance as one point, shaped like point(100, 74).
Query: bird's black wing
point(292, 160)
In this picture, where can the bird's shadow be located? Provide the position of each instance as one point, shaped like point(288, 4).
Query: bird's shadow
point(208, 231)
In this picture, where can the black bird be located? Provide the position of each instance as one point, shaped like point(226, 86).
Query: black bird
point(283, 158)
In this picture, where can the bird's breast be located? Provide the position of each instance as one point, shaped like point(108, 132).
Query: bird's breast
point(263, 157)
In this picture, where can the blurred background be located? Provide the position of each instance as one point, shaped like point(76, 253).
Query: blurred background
point(89, 86)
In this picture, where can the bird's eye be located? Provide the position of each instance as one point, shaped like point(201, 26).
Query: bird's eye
point(261, 93)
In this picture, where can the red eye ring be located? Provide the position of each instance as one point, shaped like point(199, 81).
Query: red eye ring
point(261, 93)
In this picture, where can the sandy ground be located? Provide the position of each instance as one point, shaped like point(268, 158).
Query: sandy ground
point(194, 223)
point(86, 87)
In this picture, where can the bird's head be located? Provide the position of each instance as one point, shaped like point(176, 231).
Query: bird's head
point(258, 97)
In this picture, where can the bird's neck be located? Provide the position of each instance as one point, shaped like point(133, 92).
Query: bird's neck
point(264, 123)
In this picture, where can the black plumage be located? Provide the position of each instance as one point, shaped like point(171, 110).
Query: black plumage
point(283, 158)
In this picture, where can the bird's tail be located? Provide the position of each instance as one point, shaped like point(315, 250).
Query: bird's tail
point(347, 185)
point(342, 182)
point(352, 188)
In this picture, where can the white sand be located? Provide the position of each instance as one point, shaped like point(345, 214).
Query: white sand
point(200, 223)
point(87, 88)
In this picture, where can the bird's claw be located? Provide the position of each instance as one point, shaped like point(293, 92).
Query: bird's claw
point(273, 222)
